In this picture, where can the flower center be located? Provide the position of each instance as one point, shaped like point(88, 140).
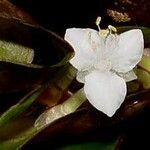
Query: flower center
point(104, 65)
point(105, 32)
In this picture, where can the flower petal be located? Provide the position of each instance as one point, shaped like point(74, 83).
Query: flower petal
point(82, 74)
point(111, 44)
point(129, 76)
point(128, 52)
point(105, 91)
point(87, 44)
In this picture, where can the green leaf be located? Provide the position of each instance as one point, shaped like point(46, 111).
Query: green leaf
point(143, 78)
point(133, 86)
point(8, 146)
point(11, 52)
point(57, 112)
point(59, 81)
point(90, 146)
point(145, 63)
point(62, 80)
point(20, 107)
point(16, 143)
point(16, 70)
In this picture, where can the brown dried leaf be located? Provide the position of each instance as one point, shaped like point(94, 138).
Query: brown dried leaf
point(8, 10)
point(135, 11)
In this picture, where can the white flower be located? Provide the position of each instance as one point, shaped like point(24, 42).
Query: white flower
point(105, 61)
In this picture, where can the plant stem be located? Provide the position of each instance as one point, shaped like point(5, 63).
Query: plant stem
point(74, 102)
point(61, 110)
point(57, 112)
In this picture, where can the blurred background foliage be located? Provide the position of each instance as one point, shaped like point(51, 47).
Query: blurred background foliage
point(26, 22)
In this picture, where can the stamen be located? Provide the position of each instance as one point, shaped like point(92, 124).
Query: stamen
point(112, 28)
point(104, 33)
point(98, 20)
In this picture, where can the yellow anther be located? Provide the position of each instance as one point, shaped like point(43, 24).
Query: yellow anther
point(104, 33)
point(112, 28)
point(98, 20)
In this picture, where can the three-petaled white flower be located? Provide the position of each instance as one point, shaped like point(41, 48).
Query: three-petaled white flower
point(105, 61)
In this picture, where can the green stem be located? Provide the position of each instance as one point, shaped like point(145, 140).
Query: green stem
point(61, 110)
point(74, 102)
point(57, 112)
point(65, 76)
